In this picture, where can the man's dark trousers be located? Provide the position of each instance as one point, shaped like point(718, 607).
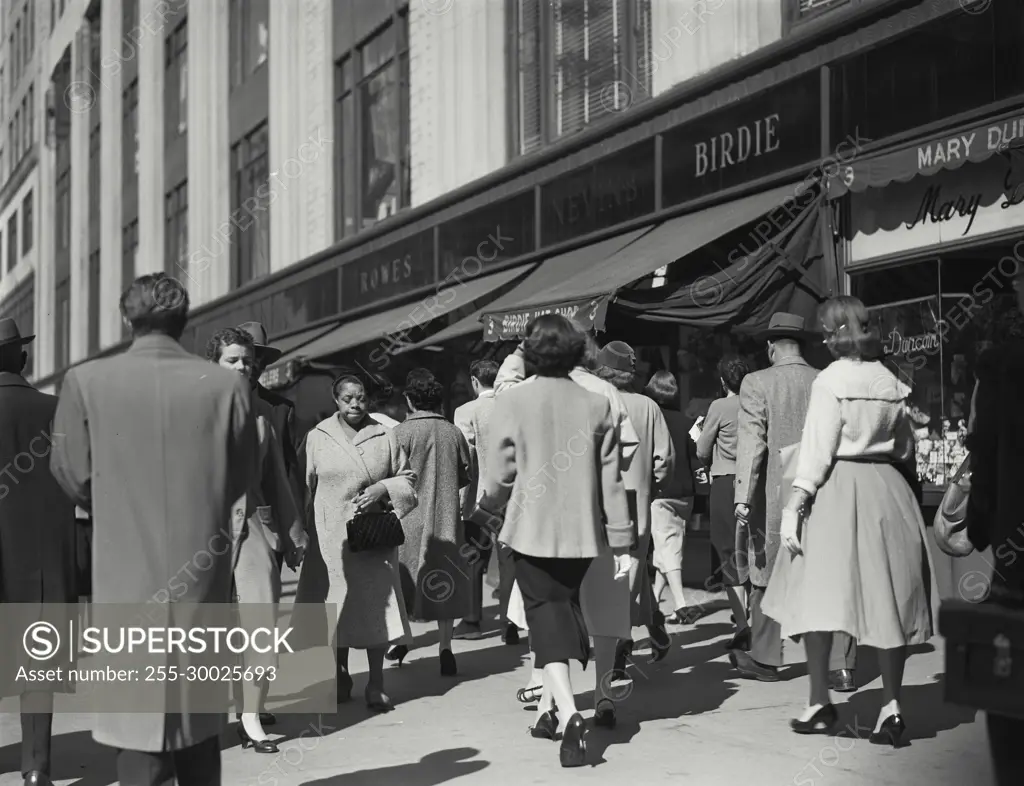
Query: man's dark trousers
point(482, 543)
point(195, 766)
point(766, 639)
point(36, 728)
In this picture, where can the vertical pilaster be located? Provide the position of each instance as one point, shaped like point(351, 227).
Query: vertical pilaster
point(301, 130)
point(80, 101)
point(209, 184)
point(151, 138)
point(111, 166)
point(46, 244)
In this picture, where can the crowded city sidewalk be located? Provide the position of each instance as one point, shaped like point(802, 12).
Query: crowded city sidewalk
point(473, 731)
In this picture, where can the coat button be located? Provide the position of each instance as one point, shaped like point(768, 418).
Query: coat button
point(360, 451)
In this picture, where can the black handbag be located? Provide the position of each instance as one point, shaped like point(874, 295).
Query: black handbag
point(373, 531)
point(984, 656)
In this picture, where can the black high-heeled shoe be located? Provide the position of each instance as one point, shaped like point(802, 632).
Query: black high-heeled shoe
point(604, 714)
point(573, 752)
point(821, 722)
point(890, 733)
point(398, 652)
point(661, 643)
point(377, 700)
point(449, 668)
point(546, 727)
point(344, 687)
point(259, 746)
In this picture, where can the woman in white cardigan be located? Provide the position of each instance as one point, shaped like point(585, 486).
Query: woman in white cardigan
point(855, 557)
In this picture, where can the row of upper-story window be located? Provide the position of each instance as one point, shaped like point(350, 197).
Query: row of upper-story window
point(15, 245)
point(565, 55)
point(21, 41)
point(20, 134)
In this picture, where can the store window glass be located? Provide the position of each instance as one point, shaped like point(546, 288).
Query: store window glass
point(935, 319)
point(250, 37)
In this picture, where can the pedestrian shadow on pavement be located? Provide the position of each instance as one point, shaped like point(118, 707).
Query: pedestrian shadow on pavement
point(432, 769)
point(924, 709)
point(661, 692)
point(75, 756)
point(418, 679)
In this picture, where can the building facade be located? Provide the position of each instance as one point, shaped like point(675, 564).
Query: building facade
point(138, 134)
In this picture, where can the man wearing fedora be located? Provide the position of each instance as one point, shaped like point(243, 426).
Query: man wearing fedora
point(37, 533)
point(283, 409)
point(773, 406)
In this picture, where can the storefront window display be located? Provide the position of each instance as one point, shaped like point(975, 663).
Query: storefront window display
point(932, 342)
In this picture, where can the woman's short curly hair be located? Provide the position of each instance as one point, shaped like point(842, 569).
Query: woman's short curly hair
point(732, 370)
point(553, 346)
point(225, 337)
point(848, 330)
point(621, 380)
point(663, 388)
point(424, 391)
point(346, 378)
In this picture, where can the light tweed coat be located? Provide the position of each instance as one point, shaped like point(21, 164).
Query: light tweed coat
point(773, 405)
point(364, 586)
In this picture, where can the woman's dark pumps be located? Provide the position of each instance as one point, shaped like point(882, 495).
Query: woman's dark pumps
point(259, 746)
point(377, 700)
point(398, 653)
point(344, 687)
point(449, 668)
point(546, 727)
point(891, 732)
point(604, 714)
point(573, 752)
point(821, 722)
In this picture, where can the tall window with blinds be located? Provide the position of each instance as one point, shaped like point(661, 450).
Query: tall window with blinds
point(251, 198)
point(576, 62)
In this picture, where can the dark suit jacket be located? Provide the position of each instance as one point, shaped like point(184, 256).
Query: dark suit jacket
point(284, 424)
point(995, 505)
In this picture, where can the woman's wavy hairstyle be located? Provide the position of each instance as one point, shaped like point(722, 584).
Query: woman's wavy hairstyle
point(621, 380)
point(425, 393)
point(225, 337)
point(664, 389)
point(848, 329)
point(554, 346)
point(732, 370)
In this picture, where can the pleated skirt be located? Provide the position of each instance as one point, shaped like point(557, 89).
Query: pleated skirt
point(865, 568)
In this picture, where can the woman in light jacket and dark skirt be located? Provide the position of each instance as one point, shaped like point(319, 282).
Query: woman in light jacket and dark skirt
point(855, 557)
point(556, 524)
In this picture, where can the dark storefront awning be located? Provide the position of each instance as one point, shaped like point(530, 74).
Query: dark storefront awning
point(972, 143)
point(546, 275)
point(794, 272)
point(401, 319)
point(584, 295)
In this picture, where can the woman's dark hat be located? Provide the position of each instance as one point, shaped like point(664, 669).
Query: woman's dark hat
point(264, 352)
point(618, 355)
point(9, 333)
point(785, 325)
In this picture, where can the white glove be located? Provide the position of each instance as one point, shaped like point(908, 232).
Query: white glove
point(789, 531)
point(623, 562)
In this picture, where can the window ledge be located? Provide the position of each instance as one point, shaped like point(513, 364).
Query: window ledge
point(18, 177)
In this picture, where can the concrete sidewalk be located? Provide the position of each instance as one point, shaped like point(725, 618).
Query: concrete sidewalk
point(689, 718)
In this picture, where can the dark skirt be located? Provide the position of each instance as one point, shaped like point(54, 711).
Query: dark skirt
point(551, 600)
point(733, 561)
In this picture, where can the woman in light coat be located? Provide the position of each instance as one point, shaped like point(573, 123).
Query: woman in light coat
point(558, 526)
point(605, 597)
point(354, 465)
point(263, 521)
point(855, 557)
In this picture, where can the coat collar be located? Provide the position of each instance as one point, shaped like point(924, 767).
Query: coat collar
point(793, 360)
point(332, 427)
point(425, 416)
point(10, 379)
point(156, 343)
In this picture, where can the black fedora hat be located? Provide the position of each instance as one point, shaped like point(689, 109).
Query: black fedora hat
point(9, 333)
point(264, 352)
point(786, 325)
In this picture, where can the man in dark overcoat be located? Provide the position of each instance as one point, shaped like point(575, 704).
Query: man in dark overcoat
point(283, 409)
point(37, 529)
point(158, 445)
point(773, 406)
